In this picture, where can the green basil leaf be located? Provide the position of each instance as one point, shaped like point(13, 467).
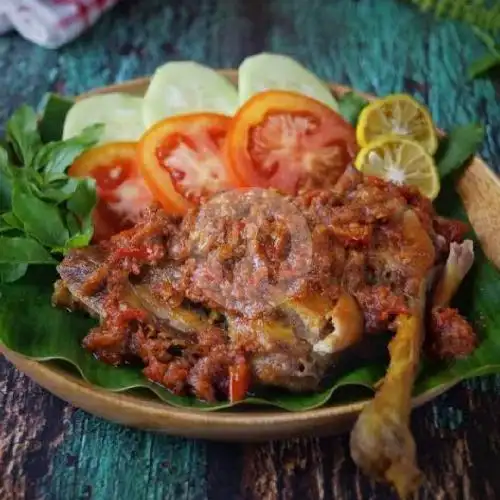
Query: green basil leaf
point(12, 272)
point(82, 204)
point(54, 158)
point(72, 223)
point(60, 191)
point(457, 147)
point(5, 181)
point(22, 133)
point(84, 199)
point(23, 251)
point(12, 221)
point(41, 220)
point(81, 239)
point(351, 105)
point(4, 227)
point(54, 113)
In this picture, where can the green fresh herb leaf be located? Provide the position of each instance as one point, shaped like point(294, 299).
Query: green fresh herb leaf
point(457, 147)
point(4, 227)
point(80, 239)
point(40, 219)
point(479, 14)
point(60, 191)
point(82, 204)
point(487, 39)
point(5, 181)
point(23, 251)
point(72, 223)
point(41, 204)
point(482, 65)
point(54, 113)
point(487, 62)
point(22, 134)
point(12, 272)
point(54, 158)
point(12, 221)
point(84, 199)
point(350, 106)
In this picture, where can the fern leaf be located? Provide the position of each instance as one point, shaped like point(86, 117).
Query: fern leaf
point(481, 13)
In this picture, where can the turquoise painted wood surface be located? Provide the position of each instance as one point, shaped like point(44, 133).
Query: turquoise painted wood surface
point(49, 450)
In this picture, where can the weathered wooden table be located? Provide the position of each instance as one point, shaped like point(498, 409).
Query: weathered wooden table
point(51, 450)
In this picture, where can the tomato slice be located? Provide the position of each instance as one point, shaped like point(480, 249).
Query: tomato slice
point(182, 161)
point(288, 141)
point(122, 192)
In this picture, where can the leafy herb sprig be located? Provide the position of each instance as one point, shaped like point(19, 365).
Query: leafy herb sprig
point(487, 62)
point(43, 211)
point(481, 13)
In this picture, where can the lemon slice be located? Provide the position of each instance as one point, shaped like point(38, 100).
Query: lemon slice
point(399, 115)
point(277, 72)
point(183, 87)
point(400, 161)
point(120, 113)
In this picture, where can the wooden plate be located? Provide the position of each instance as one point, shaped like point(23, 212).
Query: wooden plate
point(480, 192)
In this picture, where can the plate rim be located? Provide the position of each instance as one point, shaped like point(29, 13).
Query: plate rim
point(226, 425)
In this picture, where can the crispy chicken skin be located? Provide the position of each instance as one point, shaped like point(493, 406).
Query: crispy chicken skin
point(381, 441)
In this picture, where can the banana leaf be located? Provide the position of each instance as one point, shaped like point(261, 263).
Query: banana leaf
point(29, 325)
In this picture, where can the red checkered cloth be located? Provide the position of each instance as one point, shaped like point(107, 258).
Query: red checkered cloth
point(51, 23)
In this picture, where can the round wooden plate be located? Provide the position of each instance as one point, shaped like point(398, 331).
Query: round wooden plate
point(480, 192)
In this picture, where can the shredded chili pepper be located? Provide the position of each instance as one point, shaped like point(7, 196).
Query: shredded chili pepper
point(239, 380)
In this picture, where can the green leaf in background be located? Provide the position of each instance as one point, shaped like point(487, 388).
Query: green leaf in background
point(5, 181)
point(54, 113)
point(22, 134)
point(477, 13)
point(457, 147)
point(23, 251)
point(482, 65)
point(40, 219)
point(487, 62)
point(11, 272)
point(54, 158)
point(350, 106)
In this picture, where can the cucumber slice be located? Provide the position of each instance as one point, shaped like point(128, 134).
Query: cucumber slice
point(187, 87)
point(120, 113)
point(277, 72)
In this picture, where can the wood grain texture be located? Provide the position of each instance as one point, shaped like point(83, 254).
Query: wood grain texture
point(379, 46)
